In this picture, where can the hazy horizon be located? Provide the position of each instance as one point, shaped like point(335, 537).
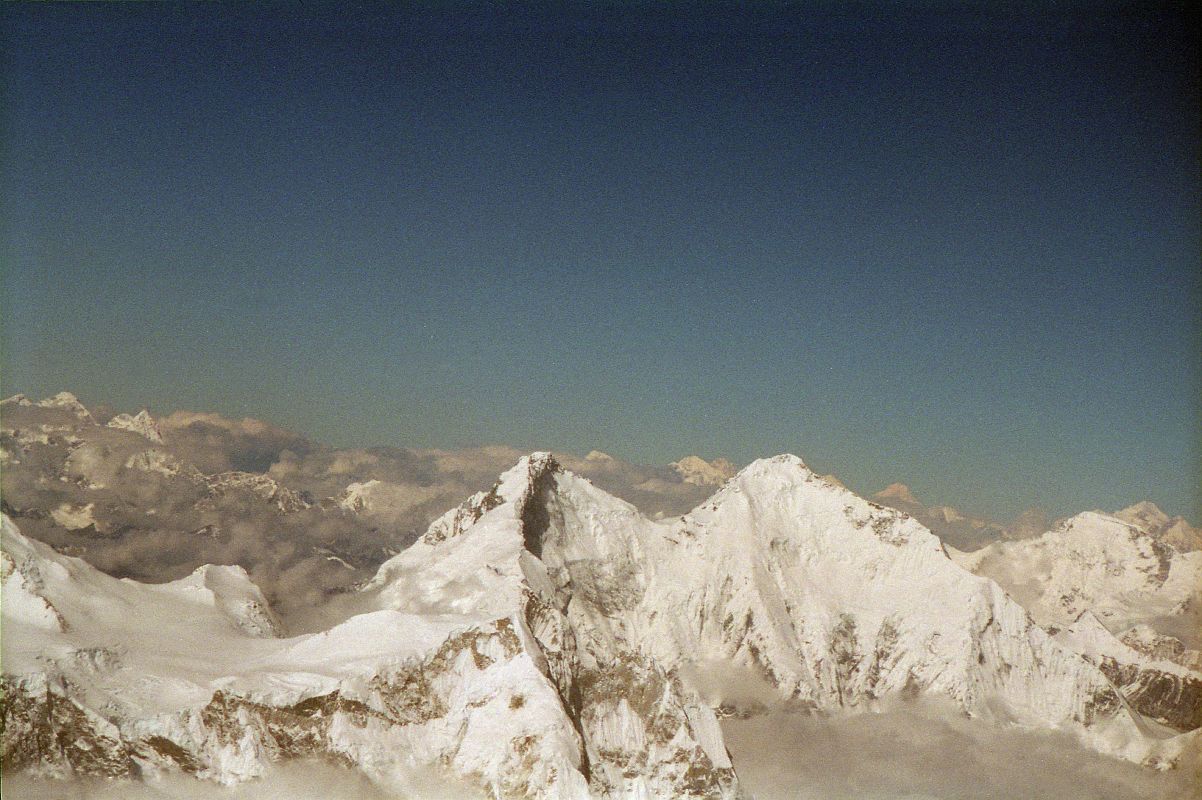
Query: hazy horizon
point(956, 247)
point(274, 442)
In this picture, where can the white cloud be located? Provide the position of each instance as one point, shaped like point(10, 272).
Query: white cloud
point(928, 751)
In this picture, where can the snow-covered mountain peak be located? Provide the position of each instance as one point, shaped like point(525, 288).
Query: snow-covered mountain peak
point(782, 493)
point(1096, 532)
point(16, 400)
point(537, 638)
point(1145, 514)
point(229, 589)
point(770, 474)
point(699, 472)
point(537, 463)
point(1095, 561)
point(1174, 531)
point(564, 559)
point(141, 423)
point(67, 401)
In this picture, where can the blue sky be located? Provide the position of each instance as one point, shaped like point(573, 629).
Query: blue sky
point(925, 242)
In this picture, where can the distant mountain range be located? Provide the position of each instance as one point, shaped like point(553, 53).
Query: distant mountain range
point(544, 638)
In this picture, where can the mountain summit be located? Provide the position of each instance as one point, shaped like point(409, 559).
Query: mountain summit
point(699, 472)
point(545, 639)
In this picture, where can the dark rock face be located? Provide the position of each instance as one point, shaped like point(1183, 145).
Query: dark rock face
point(1172, 699)
point(536, 516)
point(600, 682)
point(40, 726)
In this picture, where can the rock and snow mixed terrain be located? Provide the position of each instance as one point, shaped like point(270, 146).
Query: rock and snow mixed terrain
point(964, 531)
point(460, 654)
point(1174, 531)
point(1158, 680)
point(1099, 579)
point(153, 499)
point(546, 639)
point(140, 423)
point(1121, 572)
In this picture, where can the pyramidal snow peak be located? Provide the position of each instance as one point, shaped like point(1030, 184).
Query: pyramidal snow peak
point(545, 639)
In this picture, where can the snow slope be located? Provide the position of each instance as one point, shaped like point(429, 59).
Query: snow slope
point(1160, 688)
point(1094, 562)
point(544, 639)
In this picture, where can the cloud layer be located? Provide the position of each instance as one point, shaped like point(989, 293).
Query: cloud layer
point(923, 751)
point(307, 521)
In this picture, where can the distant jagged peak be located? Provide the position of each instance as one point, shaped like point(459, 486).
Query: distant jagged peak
point(949, 514)
point(162, 462)
point(598, 457)
point(699, 472)
point(141, 423)
point(1028, 524)
point(1144, 513)
point(1175, 531)
point(896, 493)
point(67, 401)
point(357, 496)
point(1181, 535)
point(16, 400)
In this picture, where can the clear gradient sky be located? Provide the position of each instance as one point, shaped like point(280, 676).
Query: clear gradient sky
point(959, 248)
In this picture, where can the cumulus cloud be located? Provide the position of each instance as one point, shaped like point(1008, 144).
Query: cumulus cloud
point(218, 444)
point(928, 751)
point(730, 686)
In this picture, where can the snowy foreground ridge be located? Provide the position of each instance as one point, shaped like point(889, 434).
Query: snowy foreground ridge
point(543, 640)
